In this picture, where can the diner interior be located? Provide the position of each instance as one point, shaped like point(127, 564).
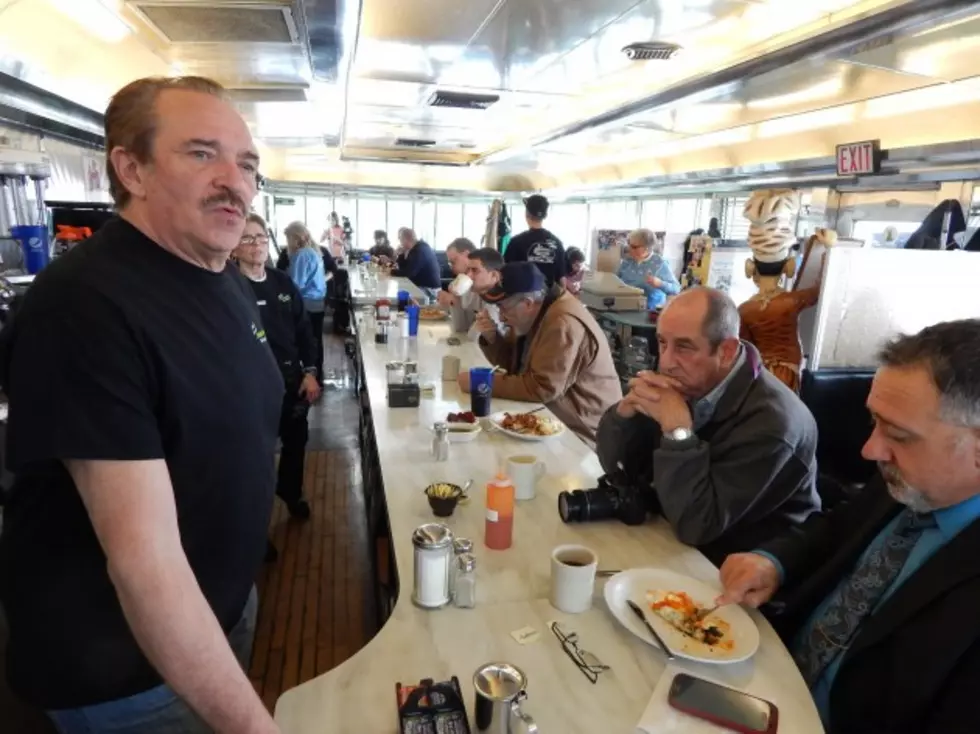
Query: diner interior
point(431, 122)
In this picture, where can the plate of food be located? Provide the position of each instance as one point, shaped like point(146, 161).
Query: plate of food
point(527, 426)
point(432, 313)
point(463, 427)
point(671, 603)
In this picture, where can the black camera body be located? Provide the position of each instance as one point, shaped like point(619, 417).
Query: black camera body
point(617, 496)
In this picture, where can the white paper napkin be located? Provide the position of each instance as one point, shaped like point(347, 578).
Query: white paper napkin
point(661, 718)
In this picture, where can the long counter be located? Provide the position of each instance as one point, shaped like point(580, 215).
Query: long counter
point(512, 585)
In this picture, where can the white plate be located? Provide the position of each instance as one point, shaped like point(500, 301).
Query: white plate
point(635, 583)
point(496, 418)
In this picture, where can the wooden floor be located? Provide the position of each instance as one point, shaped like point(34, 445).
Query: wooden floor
point(314, 600)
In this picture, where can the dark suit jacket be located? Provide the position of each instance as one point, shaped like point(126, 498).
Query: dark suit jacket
point(914, 665)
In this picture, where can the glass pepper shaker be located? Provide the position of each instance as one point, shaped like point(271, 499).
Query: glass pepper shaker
point(440, 444)
point(464, 590)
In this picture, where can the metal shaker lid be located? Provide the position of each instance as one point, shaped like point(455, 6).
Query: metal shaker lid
point(432, 535)
point(462, 545)
point(466, 562)
point(499, 681)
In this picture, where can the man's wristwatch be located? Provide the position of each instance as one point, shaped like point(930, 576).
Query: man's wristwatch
point(680, 437)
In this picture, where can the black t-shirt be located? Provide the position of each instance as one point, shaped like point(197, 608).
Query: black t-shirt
point(541, 247)
point(123, 351)
point(286, 324)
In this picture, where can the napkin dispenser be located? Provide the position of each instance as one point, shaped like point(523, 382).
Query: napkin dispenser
point(404, 395)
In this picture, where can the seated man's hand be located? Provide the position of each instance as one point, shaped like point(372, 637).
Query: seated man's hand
point(446, 299)
point(748, 578)
point(486, 326)
point(657, 397)
point(463, 380)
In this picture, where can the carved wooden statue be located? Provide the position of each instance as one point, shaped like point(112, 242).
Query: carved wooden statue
point(770, 319)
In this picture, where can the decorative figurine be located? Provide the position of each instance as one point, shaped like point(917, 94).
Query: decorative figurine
point(770, 318)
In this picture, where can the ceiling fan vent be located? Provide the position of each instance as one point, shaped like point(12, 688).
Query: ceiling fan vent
point(462, 100)
point(651, 51)
point(210, 21)
point(414, 143)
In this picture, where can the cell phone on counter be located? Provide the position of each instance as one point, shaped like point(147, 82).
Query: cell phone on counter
point(723, 706)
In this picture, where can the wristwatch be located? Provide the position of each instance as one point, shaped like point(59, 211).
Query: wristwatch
point(683, 436)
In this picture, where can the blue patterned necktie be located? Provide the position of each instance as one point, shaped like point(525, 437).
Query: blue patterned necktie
point(857, 596)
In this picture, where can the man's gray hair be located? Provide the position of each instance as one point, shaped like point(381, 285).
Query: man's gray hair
point(721, 320)
point(462, 245)
point(951, 352)
point(648, 238)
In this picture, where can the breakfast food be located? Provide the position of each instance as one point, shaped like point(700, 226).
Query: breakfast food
point(529, 424)
point(681, 612)
point(466, 417)
point(431, 313)
point(443, 490)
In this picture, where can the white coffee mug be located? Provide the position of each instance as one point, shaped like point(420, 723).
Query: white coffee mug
point(572, 578)
point(524, 472)
point(461, 285)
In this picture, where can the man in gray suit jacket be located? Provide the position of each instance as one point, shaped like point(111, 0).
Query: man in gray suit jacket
point(727, 450)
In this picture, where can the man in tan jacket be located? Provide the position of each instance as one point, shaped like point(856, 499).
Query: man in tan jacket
point(554, 351)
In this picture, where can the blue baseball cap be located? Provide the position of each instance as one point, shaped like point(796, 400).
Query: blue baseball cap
point(522, 277)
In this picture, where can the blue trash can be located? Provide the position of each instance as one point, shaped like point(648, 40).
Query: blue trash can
point(33, 241)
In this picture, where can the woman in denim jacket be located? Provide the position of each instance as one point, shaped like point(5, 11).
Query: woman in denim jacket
point(644, 267)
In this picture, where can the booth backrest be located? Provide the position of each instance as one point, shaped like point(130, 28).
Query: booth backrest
point(837, 397)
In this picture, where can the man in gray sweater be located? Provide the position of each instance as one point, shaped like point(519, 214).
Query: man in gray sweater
point(727, 450)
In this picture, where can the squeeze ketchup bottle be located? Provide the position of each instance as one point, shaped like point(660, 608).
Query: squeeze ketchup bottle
point(500, 513)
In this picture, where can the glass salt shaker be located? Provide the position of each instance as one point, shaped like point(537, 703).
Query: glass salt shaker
point(464, 589)
point(440, 444)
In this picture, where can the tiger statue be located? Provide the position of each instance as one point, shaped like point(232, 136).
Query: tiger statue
point(772, 213)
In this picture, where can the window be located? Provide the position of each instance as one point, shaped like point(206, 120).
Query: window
point(475, 221)
point(733, 225)
point(515, 210)
point(318, 210)
point(400, 214)
point(682, 215)
point(288, 209)
point(616, 214)
point(425, 220)
point(653, 215)
point(449, 223)
point(371, 215)
point(571, 223)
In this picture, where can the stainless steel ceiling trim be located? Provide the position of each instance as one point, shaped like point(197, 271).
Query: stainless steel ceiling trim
point(348, 60)
point(823, 45)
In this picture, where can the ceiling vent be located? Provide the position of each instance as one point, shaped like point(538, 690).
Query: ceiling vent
point(463, 100)
point(216, 22)
point(414, 143)
point(277, 93)
point(651, 51)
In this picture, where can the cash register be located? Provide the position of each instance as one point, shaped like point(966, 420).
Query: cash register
point(606, 292)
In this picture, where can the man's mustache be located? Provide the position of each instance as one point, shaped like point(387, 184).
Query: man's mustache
point(228, 198)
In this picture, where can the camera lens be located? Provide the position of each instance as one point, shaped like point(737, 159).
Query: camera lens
point(588, 505)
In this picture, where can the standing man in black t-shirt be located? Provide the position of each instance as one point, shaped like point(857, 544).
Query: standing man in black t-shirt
point(144, 402)
point(293, 345)
point(538, 245)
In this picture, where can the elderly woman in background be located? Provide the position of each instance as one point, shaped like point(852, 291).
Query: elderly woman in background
point(645, 268)
point(307, 272)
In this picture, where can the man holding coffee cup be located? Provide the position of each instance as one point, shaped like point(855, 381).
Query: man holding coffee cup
point(555, 353)
point(462, 303)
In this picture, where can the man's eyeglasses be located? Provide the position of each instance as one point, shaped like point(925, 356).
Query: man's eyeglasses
point(588, 663)
point(253, 239)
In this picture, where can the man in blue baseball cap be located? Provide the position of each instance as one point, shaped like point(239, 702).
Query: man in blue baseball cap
point(554, 351)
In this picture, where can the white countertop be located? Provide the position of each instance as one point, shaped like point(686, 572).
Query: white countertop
point(512, 585)
point(365, 293)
